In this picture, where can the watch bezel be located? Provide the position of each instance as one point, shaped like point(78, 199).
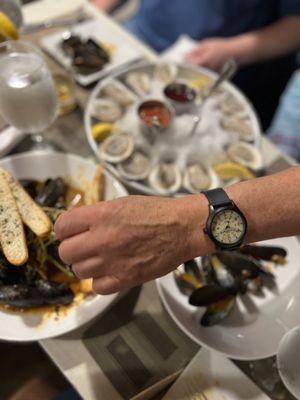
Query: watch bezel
point(212, 215)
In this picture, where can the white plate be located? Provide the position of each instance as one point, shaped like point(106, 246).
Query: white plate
point(123, 53)
point(255, 328)
point(42, 165)
point(213, 377)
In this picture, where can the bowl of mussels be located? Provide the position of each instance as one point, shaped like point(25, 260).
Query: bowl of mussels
point(40, 297)
point(239, 303)
point(140, 122)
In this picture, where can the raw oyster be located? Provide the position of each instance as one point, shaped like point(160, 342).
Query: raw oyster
point(240, 126)
point(137, 167)
point(198, 177)
point(118, 92)
point(117, 148)
point(231, 105)
point(165, 178)
point(245, 154)
point(166, 72)
point(139, 81)
point(106, 110)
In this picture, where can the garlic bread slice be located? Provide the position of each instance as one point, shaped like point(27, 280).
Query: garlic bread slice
point(31, 213)
point(12, 235)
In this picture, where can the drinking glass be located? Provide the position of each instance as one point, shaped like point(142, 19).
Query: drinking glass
point(28, 97)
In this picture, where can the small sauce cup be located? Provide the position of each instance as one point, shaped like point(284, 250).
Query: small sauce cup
point(155, 118)
point(181, 96)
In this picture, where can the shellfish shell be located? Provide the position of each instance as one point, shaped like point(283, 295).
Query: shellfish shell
point(118, 92)
point(198, 177)
point(245, 154)
point(166, 72)
point(106, 110)
point(136, 167)
point(240, 126)
point(117, 147)
point(165, 178)
point(139, 81)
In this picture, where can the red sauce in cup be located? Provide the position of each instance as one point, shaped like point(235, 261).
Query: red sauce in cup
point(155, 113)
point(180, 92)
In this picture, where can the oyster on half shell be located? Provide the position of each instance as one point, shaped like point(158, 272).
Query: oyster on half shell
point(136, 167)
point(165, 178)
point(117, 148)
point(198, 177)
point(240, 126)
point(230, 105)
point(245, 154)
point(106, 110)
point(118, 92)
point(139, 81)
point(166, 72)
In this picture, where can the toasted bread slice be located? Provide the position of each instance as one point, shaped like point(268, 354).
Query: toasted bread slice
point(31, 213)
point(12, 236)
point(95, 189)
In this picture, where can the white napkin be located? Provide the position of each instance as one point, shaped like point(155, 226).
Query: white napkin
point(179, 49)
point(9, 138)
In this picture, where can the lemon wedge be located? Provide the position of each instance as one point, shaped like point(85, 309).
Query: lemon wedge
point(227, 171)
point(7, 27)
point(101, 130)
point(198, 83)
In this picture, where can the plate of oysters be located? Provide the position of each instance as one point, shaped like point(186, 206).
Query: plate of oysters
point(141, 123)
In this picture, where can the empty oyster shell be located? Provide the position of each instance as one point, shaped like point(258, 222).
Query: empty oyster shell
point(118, 92)
point(106, 110)
point(139, 81)
point(166, 72)
point(117, 148)
point(136, 167)
point(241, 126)
point(230, 105)
point(198, 177)
point(165, 178)
point(245, 154)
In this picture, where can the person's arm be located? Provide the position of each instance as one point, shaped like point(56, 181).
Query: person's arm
point(106, 5)
point(125, 242)
point(276, 40)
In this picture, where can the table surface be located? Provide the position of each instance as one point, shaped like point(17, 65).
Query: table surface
point(69, 352)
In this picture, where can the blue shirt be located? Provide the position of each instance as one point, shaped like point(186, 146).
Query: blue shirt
point(161, 22)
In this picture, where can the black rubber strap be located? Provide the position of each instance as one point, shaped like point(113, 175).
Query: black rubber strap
point(217, 197)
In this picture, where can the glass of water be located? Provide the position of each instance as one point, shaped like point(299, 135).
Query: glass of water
point(28, 97)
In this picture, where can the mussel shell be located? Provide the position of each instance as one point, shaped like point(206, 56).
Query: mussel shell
point(239, 265)
point(117, 147)
point(223, 276)
point(267, 253)
point(30, 185)
point(186, 283)
point(192, 268)
point(217, 312)
point(207, 295)
point(51, 192)
point(207, 271)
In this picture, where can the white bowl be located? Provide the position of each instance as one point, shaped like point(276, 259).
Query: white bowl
point(41, 165)
point(254, 329)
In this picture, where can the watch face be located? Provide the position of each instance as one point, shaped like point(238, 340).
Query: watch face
point(228, 227)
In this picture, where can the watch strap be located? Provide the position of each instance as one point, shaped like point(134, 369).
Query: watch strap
point(217, 197)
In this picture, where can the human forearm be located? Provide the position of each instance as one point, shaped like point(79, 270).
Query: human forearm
point(105, 5)
point(276, 40)
point(271, 206)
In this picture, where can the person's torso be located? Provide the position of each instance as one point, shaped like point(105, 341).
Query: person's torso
point(163, 21)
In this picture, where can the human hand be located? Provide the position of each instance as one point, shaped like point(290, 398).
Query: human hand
point(105, 5)
point(212, 53)
point(125, 242)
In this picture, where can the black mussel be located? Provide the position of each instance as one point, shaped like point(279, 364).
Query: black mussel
point(223, 276)
point(51, 192)
point(239, 264)
point(98, 49)
point(70, 44)
point(37, 295)
point(87, 62)
point(31, 186)
point(217, 312)
point(207, 271)
point(255, 286)
point(186, 283)
point(266, 253)
point(207, 295)
point(191, 267)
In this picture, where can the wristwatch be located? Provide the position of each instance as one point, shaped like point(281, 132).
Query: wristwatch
point(226, 224)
